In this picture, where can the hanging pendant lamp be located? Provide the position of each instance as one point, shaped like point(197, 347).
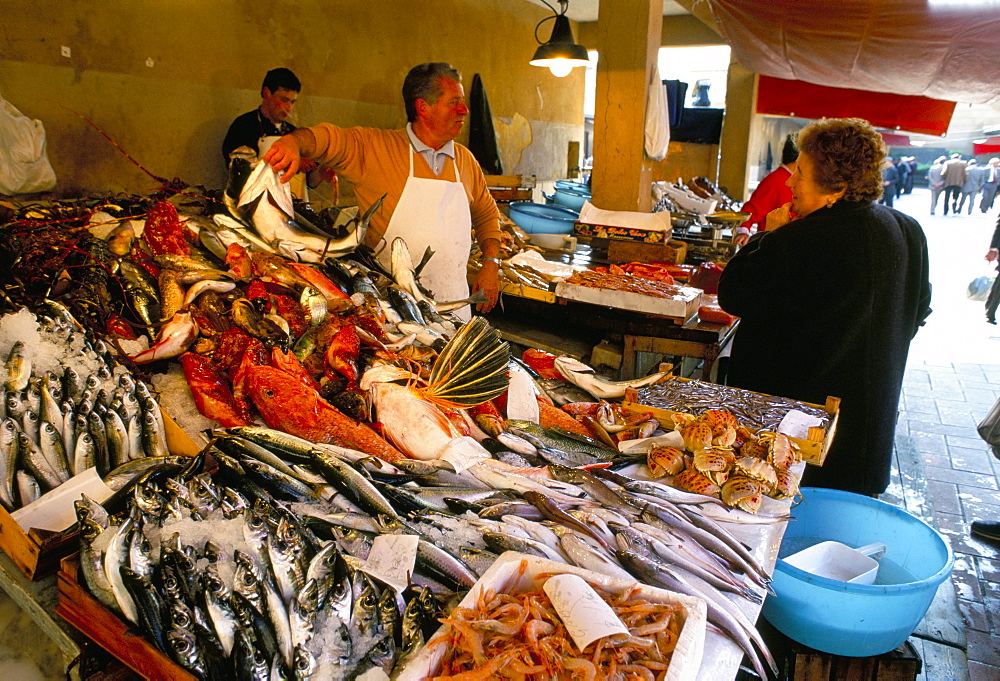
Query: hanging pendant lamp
point(561, 53)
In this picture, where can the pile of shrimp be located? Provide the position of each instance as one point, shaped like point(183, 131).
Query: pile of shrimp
point(521, 637)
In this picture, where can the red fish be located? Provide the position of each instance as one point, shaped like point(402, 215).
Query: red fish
point(211, 392)
point(318, 281)
point(239, 261)
point(289, 405)
point(290, 364)
point(342, 355)
point(164, 232)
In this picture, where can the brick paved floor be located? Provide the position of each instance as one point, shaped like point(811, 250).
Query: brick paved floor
point(952, 380)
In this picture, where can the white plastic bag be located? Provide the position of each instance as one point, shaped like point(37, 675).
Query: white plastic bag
point(657, 132)
point(24, 165)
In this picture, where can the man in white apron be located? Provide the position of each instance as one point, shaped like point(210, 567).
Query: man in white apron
point(434, 190)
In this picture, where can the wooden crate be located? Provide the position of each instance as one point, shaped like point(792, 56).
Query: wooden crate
point(529, 292)
point(37, 552)
point(813, 448)
point(630, 251)
point(506, 188)
point(901, 664)
point(107, 630)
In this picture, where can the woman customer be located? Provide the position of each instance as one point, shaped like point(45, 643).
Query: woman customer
point(829, 298)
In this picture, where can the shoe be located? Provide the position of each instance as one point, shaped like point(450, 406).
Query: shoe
point(991, 320)
point(986, 529)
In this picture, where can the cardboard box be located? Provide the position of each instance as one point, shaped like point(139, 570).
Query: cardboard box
point(646, 236)
point(107, 630)
point(37, 552)
point(813, 447)
point(520, 573)
point(629, 251)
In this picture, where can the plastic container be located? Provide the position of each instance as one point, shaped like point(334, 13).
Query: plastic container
point(856, 620)
point(579, 187)
point(840, 561)
point(538, 218)
point(570, 198)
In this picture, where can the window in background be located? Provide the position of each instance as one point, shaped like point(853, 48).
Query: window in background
point(698, 65)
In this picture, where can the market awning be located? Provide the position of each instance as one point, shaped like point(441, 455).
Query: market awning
point(932, 48)
point(896, 112)
point(990, 146)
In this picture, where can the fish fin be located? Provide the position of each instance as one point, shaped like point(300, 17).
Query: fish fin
point(428, 254)
point(472, 367)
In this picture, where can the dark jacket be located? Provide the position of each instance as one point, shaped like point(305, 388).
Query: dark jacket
point(828, 305)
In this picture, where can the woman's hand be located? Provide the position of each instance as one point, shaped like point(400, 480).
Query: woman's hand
point(779, 217)
point(991, 255)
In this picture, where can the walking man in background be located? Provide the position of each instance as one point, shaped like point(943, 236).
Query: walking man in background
point(890, 181)
point(954, 178)
point(992, 178)
point(974, 178)
point(935, 181)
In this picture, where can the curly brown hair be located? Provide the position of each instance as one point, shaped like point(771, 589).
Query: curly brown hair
point(848, 154)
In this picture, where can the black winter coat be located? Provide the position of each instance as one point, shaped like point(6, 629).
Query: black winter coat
point(828, 306)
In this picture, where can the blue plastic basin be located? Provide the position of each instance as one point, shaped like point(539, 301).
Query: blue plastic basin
point(538, 218)
point(857, 620)
point(570, 199)
point(578, 187)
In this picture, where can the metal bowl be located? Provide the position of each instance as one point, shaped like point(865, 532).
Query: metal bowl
point(727, 218)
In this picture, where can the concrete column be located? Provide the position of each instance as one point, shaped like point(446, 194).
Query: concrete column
point(628, 40)
point(739, 131)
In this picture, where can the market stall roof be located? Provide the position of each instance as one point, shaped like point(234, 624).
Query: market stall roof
point(940, 49)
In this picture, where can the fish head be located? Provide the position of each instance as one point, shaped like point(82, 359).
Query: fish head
point(281, 398)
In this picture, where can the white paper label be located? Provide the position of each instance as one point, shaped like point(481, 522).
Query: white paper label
point(797, 423)
point(54, 510)
point(463, 453)
point(392, 558)
point(586, 615)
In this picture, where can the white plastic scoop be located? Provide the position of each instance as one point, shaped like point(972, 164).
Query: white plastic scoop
point(834, 560)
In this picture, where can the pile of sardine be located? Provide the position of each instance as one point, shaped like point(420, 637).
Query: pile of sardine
point(295, 501)
point(66, 406)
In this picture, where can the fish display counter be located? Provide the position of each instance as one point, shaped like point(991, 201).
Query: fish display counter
point(369, 457)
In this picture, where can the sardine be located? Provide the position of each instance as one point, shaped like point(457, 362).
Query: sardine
point(17, 368)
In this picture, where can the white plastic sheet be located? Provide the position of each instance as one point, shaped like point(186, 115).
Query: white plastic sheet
point(24, 164)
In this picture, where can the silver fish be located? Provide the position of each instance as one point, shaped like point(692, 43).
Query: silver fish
point(28, 488)
point(39, 465)
point(9, 450)
point(115, 556)
point(17, 368)
point(51, 443)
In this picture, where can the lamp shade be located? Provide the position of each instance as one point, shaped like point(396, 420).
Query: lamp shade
point(561, 49)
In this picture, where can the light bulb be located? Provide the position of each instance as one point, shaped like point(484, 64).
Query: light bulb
point(561, 68)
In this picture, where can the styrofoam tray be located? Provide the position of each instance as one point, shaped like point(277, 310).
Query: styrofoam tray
point(506, 575)
point(682, 306)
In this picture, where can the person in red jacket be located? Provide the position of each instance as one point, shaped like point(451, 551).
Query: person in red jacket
point(770, 193)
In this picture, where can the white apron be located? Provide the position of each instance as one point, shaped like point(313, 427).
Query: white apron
point(435, 213)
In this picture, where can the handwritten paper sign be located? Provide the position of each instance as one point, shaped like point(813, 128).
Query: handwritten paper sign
point(463, 453)
point(586, 615)
point(392, 558)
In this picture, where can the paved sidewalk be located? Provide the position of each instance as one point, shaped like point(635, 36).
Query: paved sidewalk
point(951, 382)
